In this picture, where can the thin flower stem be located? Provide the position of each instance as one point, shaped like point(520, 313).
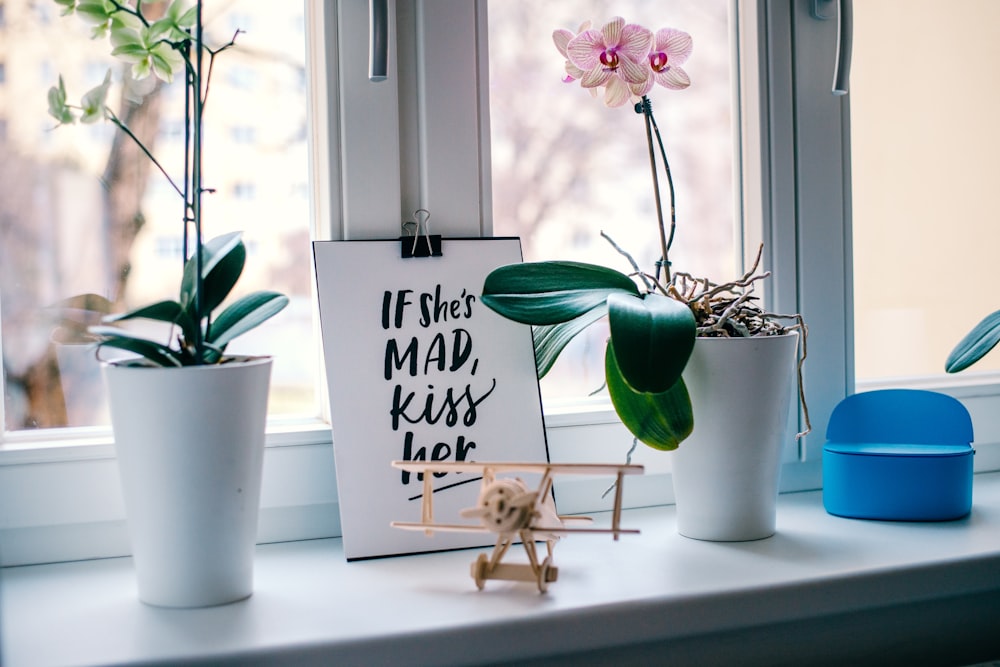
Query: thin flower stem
point(136, 12)
point(211, 63)
point(185, 50)
point(198, 105)
point(124, 128)
point(670, 179)
point(645, 107)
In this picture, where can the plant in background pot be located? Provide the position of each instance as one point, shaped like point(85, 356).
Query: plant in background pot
point(974, 345)
point(188, 418)
point(75, 346)
point(686, 356)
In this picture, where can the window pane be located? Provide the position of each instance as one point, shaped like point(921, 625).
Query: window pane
point(82, 213)
point(924, 142)
point(565, 167)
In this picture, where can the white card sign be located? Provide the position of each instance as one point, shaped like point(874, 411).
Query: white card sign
point(419, 369)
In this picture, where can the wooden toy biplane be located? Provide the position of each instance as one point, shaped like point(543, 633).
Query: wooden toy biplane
point(507, 507)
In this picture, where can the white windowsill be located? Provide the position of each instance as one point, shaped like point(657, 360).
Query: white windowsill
point(824, 590)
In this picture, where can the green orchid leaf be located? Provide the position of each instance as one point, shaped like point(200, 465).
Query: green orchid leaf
point(210, 354)
point(652, 339)
point(543, 293)
point(156, 353)
point(245, 314)
point(84, 302)
point(161, 311)
point(222, 263)
point(170, 312)
point(220, 279)
point(550, 340)
point(974, 346)
point(660, 420)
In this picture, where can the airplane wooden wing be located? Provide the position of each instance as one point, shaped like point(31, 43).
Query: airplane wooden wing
point(543, 521)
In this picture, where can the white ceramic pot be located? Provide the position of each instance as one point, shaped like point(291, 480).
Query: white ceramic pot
point(726, 473)
point(190, 446)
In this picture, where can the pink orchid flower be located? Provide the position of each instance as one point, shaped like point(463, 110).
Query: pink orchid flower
point(613, 57)
point(670, 50)
point(561, 38)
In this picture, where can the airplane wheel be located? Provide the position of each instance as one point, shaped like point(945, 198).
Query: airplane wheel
point(479, 570)
point(546, 574)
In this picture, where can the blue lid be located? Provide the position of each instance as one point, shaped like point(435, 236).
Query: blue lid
point(905, 416)
point(896, 449)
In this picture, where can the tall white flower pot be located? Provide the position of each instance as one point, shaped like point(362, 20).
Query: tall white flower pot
point(726, 473)
point(190, 446)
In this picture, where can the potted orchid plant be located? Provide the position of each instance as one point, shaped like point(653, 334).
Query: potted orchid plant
point(657, 319)
point(188, 418)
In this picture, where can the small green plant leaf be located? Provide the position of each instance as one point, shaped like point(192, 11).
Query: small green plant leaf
point(222, 263)
point(550, 339)
point(652, 338)
point(89, 302)
point(974, 346)
point(161, 311)
point(660, 420)
point(212, 354)
point(245, 314)
point(551, 292)
point(154, 352)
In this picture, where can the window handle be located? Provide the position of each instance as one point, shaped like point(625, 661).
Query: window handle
point(845, 29)
point(845, 35)
point(378, 56)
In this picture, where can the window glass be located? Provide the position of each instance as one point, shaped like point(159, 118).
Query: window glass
point(924, 142)
point(565, 167)
point(80, 213)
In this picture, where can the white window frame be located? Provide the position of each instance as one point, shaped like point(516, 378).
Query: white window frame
point(421, 140)
point(817, 134)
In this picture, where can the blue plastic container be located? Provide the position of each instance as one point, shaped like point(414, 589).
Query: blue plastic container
point(900, 455)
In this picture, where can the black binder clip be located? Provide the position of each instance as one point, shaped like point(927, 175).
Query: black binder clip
point(417, 240)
